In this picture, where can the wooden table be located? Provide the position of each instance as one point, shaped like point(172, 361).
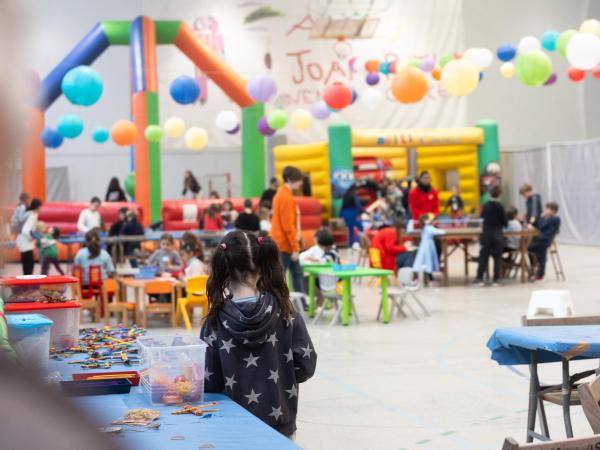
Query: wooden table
point(138, 284)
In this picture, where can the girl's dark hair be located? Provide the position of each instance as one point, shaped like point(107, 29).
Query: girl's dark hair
point(55, 233)
point(36, 203)
point(241, 255)
point(168, 238)
point(92, 242)
point(348, 200)
point(113, 184)
point(191, 244)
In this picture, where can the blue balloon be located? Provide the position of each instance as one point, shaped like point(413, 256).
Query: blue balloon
point(51, 138)
point(184, 90)
point(70, 125)
point(384, 67)
point(100, 135)
point(82, 86)
point(548, 40)
point(506, 52)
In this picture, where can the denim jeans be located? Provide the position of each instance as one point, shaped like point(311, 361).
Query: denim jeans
point(295, 269)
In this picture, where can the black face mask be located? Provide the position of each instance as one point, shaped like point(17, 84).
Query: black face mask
point(423, 187)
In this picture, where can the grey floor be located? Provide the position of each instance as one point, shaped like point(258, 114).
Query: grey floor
point(430, 384)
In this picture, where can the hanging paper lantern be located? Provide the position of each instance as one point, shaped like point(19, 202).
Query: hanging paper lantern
point(533, 68)
point(51, 138)
point(460, 77)
point(528, 44)
point(277, 119)
point(563, 40)
point(548, 40)
point(174, 127)
point(583, 51)
point(262, 88)
point(82, 86)
point(507, 69)
point(184, 90)
point(409, 85)
point(337, 95)
point(506, 52)
point(319, 110)
point(551, 79)
point(575, 74)
point(100, 135)
point(70, 125)
point(372, 78)
point(123, 132)
point(445, 59)
point(301, 119)
point(153, 133)
point(482, 58)
point(263, 127)
point(129, 184)
point(226, 120)
point(196, 138)
point(427, 64)
point(371, 98)
point(590, 26)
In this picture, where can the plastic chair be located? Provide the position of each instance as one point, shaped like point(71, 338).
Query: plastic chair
point(158, 288)
point(195, 288)
point(299, 299)
point(110, 289)
point(408, 287)
point(375, 263)
point(85, 296)
point(556, 303)
point(331, 298)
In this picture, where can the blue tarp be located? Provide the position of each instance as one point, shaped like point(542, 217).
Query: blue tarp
point(511, 346)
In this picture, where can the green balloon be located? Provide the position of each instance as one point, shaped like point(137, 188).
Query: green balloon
point(445, 59)
point(534, 68)
point(414, 62)
point(153, 133)
point(277, 119)
point(563, 40)
point(130, 184)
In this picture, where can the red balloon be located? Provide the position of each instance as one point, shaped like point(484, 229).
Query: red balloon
point(575, 74)
point(596, 72)
point(337, 95)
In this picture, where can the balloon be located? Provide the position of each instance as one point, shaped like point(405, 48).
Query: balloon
point(384, 67)
point(234, 130)
point(261, 88)
point(82, 86)
point(174, 127)
point(528, 44)
point(337, 95)
point(319, 110)
point(277, 119)
point(69, 125)
point(436, 74)
point(590, 26)
point(392, 67)
point(427, 65)
point(549, 39)
point(129, 184)
point(51, 138)
point(372, 79)
point(460, 77)
point(301, 119)
point(226, 120)
point(551, 80)
point(482, 58)
point(372, 66)
point(409, 85)
point(596, 72)
point(123, 132)
point(196, 138)
point(371, 98)
point(445, 59)
point(184, 90)
point(533, 68)
point(153, 133)
point(354, 95)
point(263, 127)
point(575, 74)
point(563, 40)
point(414, 62)
point(583, 51)
point(100, 135)
point(507, 69)
point(506, 52)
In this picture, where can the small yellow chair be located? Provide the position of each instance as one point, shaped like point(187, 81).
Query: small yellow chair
point(375, 263)
point(195, 289)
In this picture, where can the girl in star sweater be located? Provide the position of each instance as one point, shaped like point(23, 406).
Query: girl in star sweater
point(259, 349)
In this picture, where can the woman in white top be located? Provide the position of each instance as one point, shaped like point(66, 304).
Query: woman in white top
point(89, 218)
point(264, 214)
point(25, 240)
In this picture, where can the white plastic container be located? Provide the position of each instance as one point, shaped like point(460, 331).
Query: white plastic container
point(175, 368)
point(29, 335)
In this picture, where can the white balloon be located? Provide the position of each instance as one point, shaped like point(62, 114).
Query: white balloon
point(226, 120)
point(371, 98)
point(529, 44)
point(482, 58)
point(583, 51)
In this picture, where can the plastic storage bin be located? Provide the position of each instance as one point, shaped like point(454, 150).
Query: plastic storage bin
point(175, 368)
point(36, 288)
point(29, 335)
point(65, 315)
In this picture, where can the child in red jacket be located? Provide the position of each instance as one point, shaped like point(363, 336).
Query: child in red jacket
point(394, 246)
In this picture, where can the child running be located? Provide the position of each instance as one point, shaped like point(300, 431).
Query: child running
point(259, 349)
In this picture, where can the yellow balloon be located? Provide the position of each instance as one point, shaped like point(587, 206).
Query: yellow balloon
point(507, 69)
point(196, 138)
point(301, 119)
point(174, 127)
point(460, 77)
point(590, 26)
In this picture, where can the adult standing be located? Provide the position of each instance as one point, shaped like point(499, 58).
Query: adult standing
point(90, 218)
point(132, 227)
point(533, 204)
point(25, 240)
point(20, 213)
point(191, 187)
point(284, 224)
point(115, 192)
point(269, 193)
point(351, 211)
point(423, 198)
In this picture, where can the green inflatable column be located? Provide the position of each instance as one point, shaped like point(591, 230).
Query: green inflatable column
point(253, 152)
point(488, 157)
point(340, 164)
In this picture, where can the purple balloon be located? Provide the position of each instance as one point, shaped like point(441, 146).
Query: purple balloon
point(264, 128)
point(427, 65)
point(234, 130)
point(372, 78)
point(261, 88)
point(551, 79)
point(319, 110)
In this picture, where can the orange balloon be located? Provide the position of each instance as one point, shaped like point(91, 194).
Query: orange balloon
point(436, 73)
point(123, 132)
point(372, 65)
point(409, 85)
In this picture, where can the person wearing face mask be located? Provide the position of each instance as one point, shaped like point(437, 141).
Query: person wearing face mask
point(424, 198)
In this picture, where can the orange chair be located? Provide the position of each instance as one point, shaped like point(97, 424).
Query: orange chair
point(375, 263)
point(85, 296)
point(195, 288)
point(110, 288)
point(158, 288)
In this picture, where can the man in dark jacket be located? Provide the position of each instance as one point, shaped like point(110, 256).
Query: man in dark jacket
point(247, 220)
point(492, 239)
point(548, 226)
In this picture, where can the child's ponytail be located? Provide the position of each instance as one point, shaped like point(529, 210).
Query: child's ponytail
point(216, 284)
point(272, 275)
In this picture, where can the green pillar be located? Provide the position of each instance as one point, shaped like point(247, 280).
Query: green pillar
point(154, 167)
point(340, 164)
point(488, 159)
point(253, 152)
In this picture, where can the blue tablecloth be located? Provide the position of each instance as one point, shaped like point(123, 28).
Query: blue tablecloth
point(232, 427)
point(149, 235)
point(510, 346)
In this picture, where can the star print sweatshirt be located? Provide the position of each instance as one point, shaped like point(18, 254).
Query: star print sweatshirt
point(258, 359)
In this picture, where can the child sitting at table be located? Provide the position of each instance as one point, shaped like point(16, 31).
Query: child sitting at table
point(192, 255)
point(426, 259)
point(548, 226)
point(323, 251)
point(166, 258)
point(48, 248)
point(511, 243)
point(259, 349)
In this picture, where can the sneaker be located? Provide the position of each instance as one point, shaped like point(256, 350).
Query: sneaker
point(478, 283)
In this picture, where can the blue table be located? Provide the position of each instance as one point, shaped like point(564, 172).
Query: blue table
point(534, 345)
point(232, 427)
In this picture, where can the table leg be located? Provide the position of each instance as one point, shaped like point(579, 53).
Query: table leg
point(311, 294)
point(346, 301)
point(523, 262)
point(138, 306)
point(534, 387)
point(566, 397)
point(465, 246)
point(384, 300)
point(445, 259)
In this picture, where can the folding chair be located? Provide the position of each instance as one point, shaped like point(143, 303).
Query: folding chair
point(556, 262)
point(331, 298)
point(571, 444)
point(195, 288)
point(113, 304)
point(408, 287)
point(299, 299)
point(158, 288)
point(589, 394)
